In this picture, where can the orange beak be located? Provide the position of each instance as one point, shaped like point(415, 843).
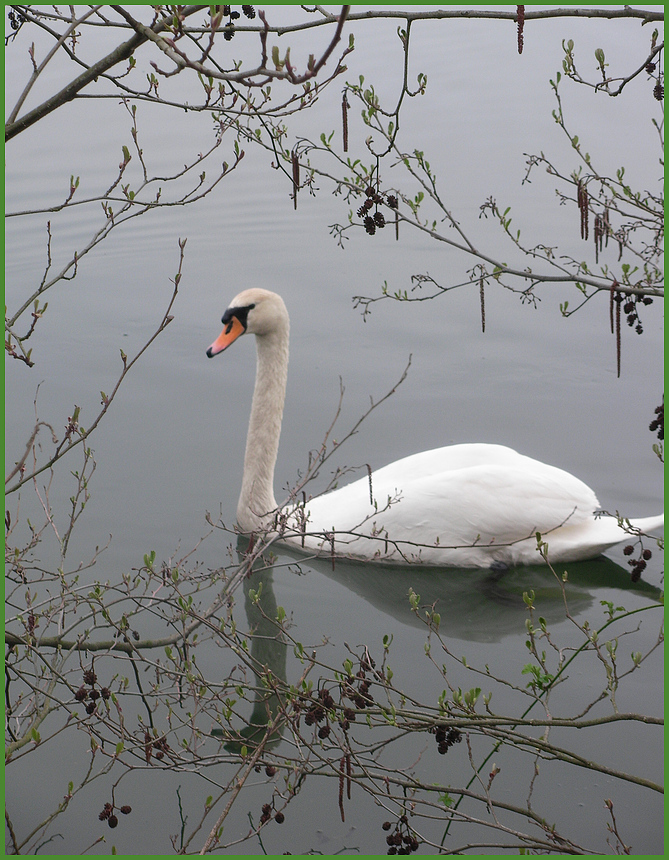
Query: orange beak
point(230, 333)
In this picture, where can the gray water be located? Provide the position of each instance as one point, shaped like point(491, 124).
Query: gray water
point(171, 447)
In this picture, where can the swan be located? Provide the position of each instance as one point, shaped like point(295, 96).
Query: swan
point(468, 505)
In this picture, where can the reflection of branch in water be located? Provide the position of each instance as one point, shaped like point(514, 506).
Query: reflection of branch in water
point(268, 653)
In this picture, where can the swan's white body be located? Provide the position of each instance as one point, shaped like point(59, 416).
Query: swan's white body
point(463, 505)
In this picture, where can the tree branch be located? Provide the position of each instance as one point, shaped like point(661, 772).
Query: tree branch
point(123, 52)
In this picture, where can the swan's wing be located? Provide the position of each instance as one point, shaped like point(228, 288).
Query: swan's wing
point(495, 504)
point(450, 458)
point(486, 506)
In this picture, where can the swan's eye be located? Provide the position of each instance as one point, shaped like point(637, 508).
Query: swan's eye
point(239, 313)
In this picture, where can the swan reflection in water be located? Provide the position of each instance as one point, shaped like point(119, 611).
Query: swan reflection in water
point(479, 605)
point(268, 652)
point(476, 606)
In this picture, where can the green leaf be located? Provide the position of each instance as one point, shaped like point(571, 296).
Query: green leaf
point(446, 799)
point(528, 597)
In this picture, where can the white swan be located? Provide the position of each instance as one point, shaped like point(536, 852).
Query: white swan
point(473, 505)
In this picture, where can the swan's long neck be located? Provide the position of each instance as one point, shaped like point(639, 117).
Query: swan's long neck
point(256, 500)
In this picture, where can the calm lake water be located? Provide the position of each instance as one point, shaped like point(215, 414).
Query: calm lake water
point(171, 447)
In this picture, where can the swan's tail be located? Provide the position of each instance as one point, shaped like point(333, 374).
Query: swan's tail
point(648, 525)
point(597, 536)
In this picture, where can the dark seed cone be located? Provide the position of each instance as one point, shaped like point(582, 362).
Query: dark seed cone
point(582, 199)
point(296, 177)
point(657, 424)
point(520, 18)
point(344, 121)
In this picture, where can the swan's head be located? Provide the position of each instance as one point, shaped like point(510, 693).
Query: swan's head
point(254, 311)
